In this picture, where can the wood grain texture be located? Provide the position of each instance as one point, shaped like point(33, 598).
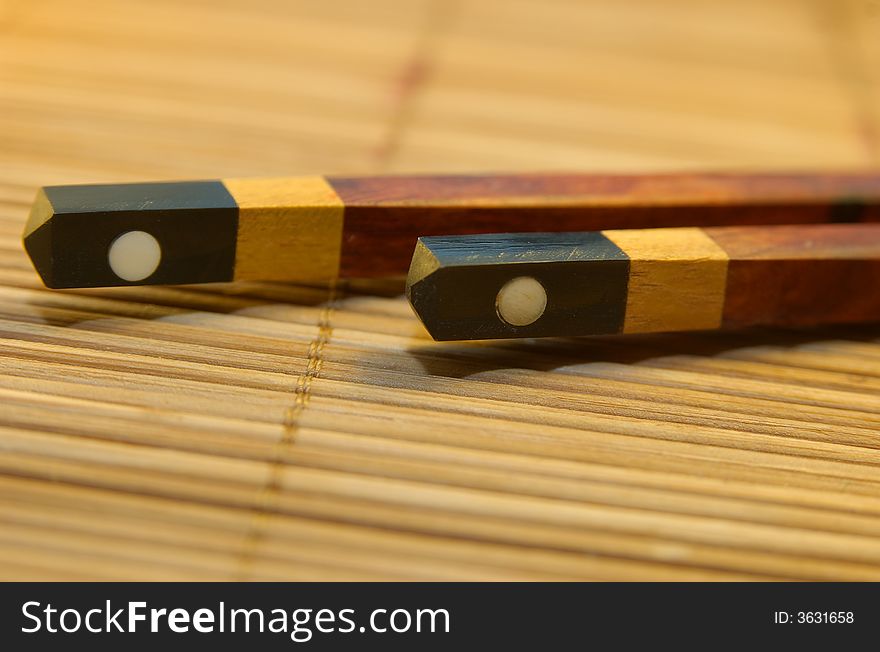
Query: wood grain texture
point(315, 229)
point(677, 279)
point(288, 229)
point(801, 275)
point(646, 280)
point(389, 214)
point(279, 431)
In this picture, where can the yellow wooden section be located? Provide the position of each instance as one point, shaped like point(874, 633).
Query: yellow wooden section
point(278, 431)
point(288, 228)
point(677, 279)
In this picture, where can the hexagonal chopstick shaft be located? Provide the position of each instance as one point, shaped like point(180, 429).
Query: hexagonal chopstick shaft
point(317, 228)
point(645, 280)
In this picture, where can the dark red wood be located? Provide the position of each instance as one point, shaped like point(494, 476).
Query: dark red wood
point(385, 215)
point(801, 275)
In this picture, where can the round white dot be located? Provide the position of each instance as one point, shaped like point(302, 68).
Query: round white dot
point(521, 301)
point(134, 256)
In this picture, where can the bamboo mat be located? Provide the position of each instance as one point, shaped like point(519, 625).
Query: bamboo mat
point(270, 431)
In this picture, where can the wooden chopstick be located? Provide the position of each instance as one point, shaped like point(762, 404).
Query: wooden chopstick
point(319, 228)
point(645, 280)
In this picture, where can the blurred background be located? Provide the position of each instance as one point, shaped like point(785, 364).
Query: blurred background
point(121, 89)
point(274, 431)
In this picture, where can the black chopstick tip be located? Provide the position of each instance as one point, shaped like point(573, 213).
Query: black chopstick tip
point(103, 235)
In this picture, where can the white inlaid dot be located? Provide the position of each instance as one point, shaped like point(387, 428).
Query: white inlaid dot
point(521, 301)
point(134, 256)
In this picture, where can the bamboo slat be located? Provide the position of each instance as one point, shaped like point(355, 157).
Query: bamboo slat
point(261, 431)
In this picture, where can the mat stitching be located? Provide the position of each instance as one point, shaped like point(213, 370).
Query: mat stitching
point(268, 498)
point(849, 65)
point(413, 79)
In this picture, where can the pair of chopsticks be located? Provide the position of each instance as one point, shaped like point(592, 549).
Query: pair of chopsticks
point(497, 256)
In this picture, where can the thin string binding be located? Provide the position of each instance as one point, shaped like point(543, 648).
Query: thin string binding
point(267, 501)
